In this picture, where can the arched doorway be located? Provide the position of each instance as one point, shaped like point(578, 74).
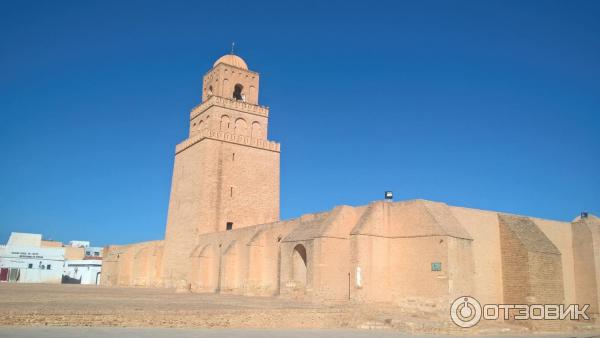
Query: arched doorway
point(299, 265)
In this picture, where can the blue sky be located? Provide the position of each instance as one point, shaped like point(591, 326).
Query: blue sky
point(486, 104)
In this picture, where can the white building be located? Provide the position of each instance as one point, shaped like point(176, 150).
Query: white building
point(93, 252)
point(24, 260)
point(82, 271)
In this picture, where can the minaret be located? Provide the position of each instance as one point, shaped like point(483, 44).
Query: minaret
point(226, 174)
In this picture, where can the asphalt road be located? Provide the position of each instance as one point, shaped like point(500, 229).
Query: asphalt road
point(98, 332)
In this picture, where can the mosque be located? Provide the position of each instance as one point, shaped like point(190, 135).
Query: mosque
point(224, 234)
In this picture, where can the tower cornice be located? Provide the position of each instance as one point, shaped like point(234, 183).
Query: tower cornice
point(241, 106)
point(230, 138)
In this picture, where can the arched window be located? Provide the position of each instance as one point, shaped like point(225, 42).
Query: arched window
point(224, 122)
point(240, 127)
point(256, 130)
point(225, 88)
point(237, 92)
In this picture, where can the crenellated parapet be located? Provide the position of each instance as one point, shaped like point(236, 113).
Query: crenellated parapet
point(227, 137)
point(229, 104)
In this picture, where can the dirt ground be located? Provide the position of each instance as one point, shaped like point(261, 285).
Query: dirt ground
point(81, 305)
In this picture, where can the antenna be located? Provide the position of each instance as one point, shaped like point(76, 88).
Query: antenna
point(232, 47)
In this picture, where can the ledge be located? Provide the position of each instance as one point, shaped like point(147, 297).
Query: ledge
point(227, 137)
point(231, 104)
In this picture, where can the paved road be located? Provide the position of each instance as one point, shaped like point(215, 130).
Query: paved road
point(97, 332)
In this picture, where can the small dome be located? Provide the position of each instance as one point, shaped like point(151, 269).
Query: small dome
point(232, 60)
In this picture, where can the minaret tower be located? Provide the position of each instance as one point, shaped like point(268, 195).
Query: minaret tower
point(226, 173)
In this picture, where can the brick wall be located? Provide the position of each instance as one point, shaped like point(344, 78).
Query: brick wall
point(531, 266)
point(585, 268)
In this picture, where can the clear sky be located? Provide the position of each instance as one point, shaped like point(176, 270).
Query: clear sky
point(486, 104)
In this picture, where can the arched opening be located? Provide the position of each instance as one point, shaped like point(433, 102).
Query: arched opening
point(256, 130)
point(225, 88)
point(252, 93)
point(299, 265)
point(240, 127)
point(224, 122)
point(237, 92)
point(98, 278)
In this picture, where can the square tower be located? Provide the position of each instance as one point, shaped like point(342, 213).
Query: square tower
point(226, 174)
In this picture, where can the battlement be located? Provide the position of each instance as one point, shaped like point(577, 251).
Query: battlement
point(230, 104)
point(227, 137)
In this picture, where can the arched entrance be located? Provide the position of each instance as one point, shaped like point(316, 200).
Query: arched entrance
point(299, 265)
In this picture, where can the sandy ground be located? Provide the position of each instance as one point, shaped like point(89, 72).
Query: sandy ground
point(80, 305)
point(96, 332)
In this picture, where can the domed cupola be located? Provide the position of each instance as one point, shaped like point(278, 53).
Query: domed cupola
point(232, 60)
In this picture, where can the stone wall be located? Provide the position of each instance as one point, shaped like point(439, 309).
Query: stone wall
point(383, 252)
point(532, 267)
point(586, 262)
point(132, 265)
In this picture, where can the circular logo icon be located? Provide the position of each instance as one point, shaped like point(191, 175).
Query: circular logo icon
point(465, 312)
